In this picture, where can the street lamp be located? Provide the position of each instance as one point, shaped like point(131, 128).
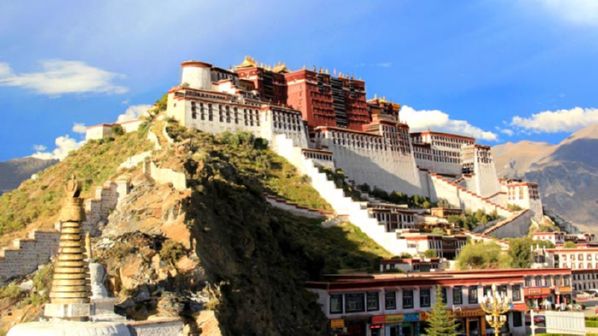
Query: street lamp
point(495, 306)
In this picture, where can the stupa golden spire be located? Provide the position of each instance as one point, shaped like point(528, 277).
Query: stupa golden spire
point(70, 284)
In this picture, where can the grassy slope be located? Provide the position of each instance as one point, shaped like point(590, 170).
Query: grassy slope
point(260, 256)
point(38, 201)
point(274, 173)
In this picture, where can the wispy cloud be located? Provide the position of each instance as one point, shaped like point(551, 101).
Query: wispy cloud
point(79, 128)
point(376, 65)
point(584, 12)
point(557, 121)
point(133, 112)
point(64, 145)
point(419, 120)
point(59, 77)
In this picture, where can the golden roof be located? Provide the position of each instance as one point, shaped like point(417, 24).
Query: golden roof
point(248, 61)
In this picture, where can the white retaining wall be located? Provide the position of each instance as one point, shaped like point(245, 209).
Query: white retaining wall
point(166, 176)
point(458, 196)
point(387, 170)
point(158, 327)
point(355, 212)
point(294, 209)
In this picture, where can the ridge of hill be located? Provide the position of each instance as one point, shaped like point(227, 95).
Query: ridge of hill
point(216, 248)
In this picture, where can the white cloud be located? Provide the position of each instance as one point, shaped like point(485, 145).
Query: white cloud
point(79, 128)
point(419, 120)
point(506, 131)
point(39, 148)
point(583, 12)
point(558, 120)
point(62, 77)
point(133, 112)
point(64, 145)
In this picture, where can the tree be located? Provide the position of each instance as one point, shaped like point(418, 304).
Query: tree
point(481, 255)
point(430, 254)
point(441, 321)
point(520, 252)
point(570, 244)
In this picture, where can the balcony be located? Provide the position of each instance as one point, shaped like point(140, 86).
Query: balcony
point(536, 291)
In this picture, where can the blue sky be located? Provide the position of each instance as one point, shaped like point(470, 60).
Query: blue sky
point(500, 70)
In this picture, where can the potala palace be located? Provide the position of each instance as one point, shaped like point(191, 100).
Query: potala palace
point(330, 120)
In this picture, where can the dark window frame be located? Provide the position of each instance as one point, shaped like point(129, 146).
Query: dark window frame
point(390, 300)
point(407, 305)
point(337, 296)
point(423, 303)
point(458, 289)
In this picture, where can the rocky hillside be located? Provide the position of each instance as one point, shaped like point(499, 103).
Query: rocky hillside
point(15, 171)
point(217, 253)
point(567, 173)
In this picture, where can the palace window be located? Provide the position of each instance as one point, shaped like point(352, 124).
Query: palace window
point(390, 300)
point(458, 295)
point(472, 294)
point(336, 303)
point(517, 319)
point(372, 301)
point(502, 290)
point(443, 292)
point(236, 115)
point(201, 111)
point(516, 292)
point(424, 297)
point(227, 109)
point(354, 303)
point(193, 111)
point(210, 114)
point(220, 114)
point(408, 298)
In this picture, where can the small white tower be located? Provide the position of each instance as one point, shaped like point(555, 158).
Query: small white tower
point(197, 75)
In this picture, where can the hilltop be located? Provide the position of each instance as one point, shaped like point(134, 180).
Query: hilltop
point(217, 253)
point(566, 173)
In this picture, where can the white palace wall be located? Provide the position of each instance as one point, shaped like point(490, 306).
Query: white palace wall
point(372, 164)
point(356, 212)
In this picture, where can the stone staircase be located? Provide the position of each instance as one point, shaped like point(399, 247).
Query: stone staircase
point(344, 207)
point(25, 255)
point(459, 196)
point(295, 208)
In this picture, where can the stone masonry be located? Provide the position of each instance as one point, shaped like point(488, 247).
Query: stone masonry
point(25, 255)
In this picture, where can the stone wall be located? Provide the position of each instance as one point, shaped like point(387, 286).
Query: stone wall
point(354, 212)
point(517, 225)
point(161, 327)
point(25, 255)
point(178, 180)
point(293, 208)
point(458, 196)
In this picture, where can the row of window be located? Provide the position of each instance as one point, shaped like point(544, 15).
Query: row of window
point(250, 117)
point(547, 281)
point(369, 301)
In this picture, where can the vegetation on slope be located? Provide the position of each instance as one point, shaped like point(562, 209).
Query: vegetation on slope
point(39, 200)
point(258, 256)
point(252, 159)
point(470, 220)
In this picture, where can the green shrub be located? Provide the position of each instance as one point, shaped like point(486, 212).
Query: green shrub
point(10, 291)
point(171, 251)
